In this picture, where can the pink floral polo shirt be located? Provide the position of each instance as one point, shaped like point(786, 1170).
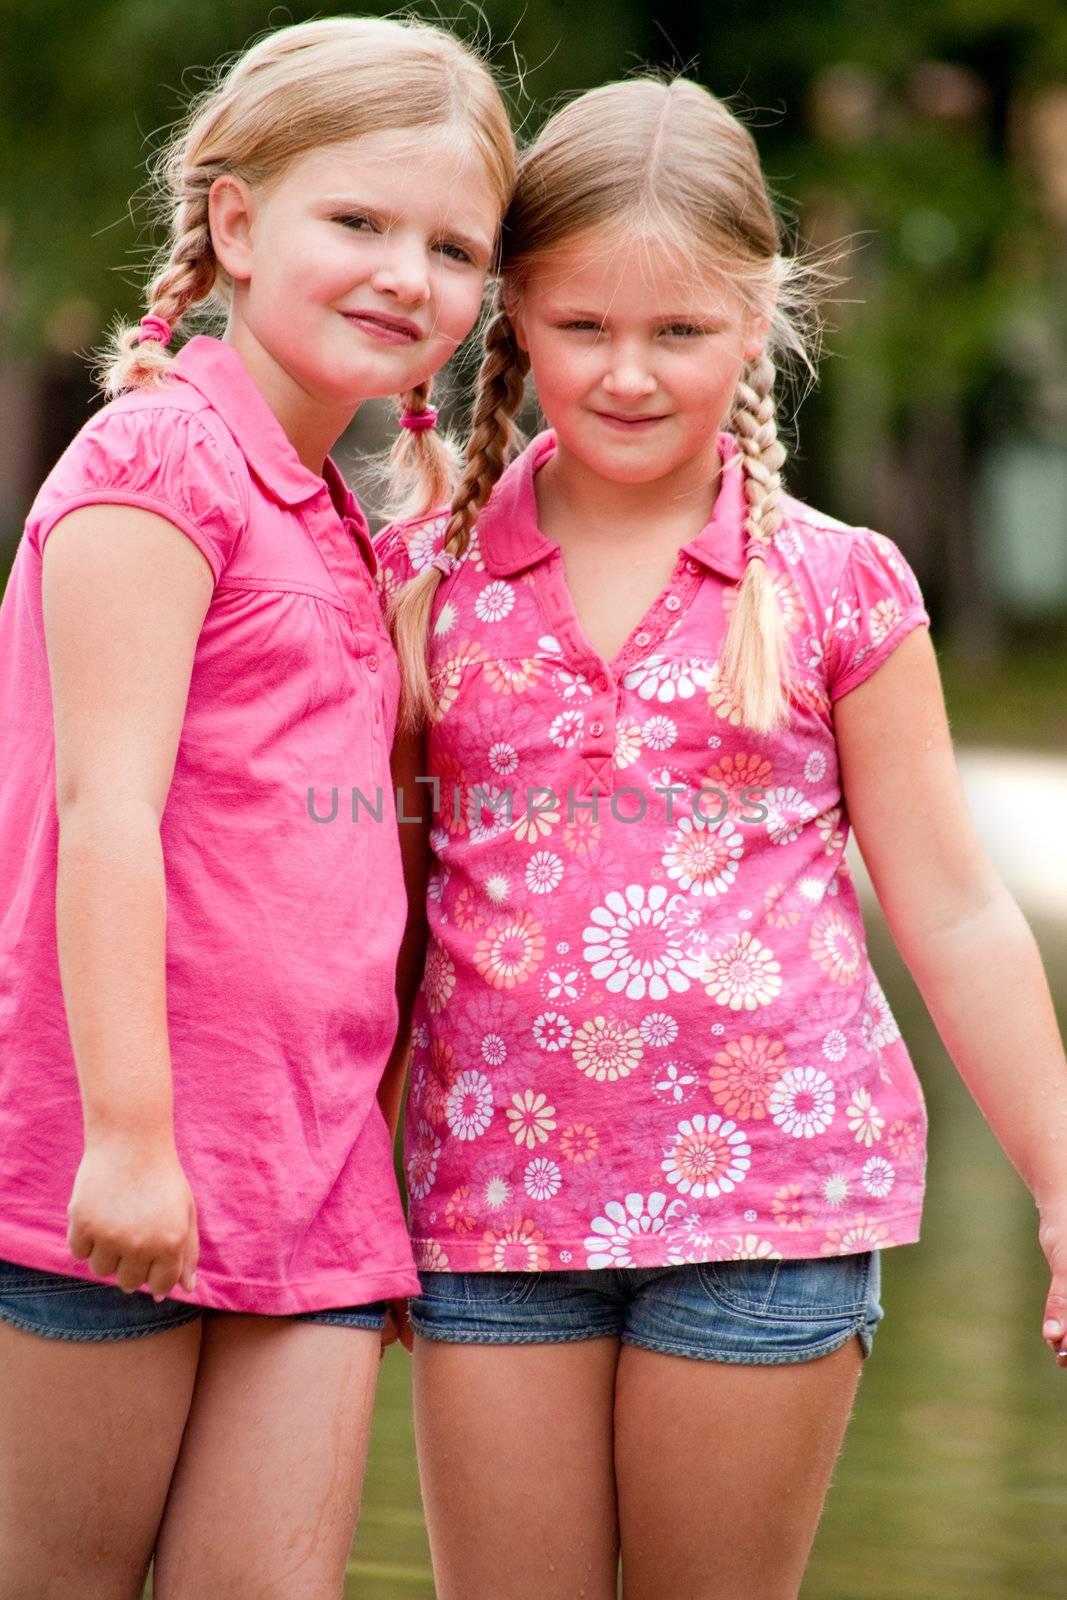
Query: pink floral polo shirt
point(648, 1031)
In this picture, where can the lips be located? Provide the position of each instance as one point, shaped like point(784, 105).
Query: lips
point(381, 325)
point(622, 420)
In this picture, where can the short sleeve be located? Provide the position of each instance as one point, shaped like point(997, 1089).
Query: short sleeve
point(159, 459)
point(878, 601)
point(404, 549)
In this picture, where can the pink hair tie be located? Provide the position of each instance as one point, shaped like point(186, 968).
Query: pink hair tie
point(445, 562)
point(155, 329)
point(419, 421)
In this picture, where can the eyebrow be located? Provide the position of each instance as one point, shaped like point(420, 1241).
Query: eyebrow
point(477, 244)
point(583, 313)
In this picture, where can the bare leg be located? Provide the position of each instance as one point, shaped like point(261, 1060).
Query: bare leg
point(89, 1433)
point(266, 1490)
point(515, 1460)
point(722, 1471)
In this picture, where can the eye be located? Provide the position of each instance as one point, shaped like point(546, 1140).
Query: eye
point(357, 221)
point(684, 330)
point(581, 325)
point(455, 252)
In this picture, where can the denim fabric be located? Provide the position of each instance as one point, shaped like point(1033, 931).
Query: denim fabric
point(756, 1312)
point(87, 1309)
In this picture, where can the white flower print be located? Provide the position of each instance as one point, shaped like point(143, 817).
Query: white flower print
point(494, 1050)
point(549, 645)
point(848, 616)
point(815, 767)
point(494, 602)
point(750, 1247)
point(487, 812)
point(498, 888)
point(863, 1119)
point(696, 1238)
point(530, 1118)
point(469, 1106)
point(496, 1193)
point(552, 1031)
point(802, 1102)
point(542, 1179)
point(788, 542)
point(706, 1156)
point(543, 872)
point(877, 1177)
point(563, 983)
point(658, 1029)
point(425, 542)
point(572, 684)
point(816, 649)
point(835, 1045)
point(633, 1233)
point(503, 758)
point(835, 1190)
point(659, 733)
point(704, 859)
point(566, 729)
point(674, 1083)
point(629, 947)
point(666, 681)
point(627, 742)
point(445, 620)
point(884, 618)
point(787, 812)
point(879, 1026)
point(813, 890)
point(742, 976)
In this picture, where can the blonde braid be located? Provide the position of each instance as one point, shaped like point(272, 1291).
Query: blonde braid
point(187, 277)
point(755, 661)
point(498, 397)
point(423, 464)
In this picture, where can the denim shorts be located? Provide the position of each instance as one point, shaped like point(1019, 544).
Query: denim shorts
point(755, 1312)
point(88, 1309)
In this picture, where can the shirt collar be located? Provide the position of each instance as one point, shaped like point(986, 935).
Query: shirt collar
point(511, 540)
point(215, 370)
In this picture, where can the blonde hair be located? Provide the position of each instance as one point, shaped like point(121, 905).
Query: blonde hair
point(298, 89)
point(671, 159)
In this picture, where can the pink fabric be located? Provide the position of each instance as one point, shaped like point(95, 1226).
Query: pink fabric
point(642, 1043)
point(282, 931)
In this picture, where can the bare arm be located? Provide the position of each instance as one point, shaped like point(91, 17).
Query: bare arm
point(125, 595)
point(959, 930)
point(409, 762)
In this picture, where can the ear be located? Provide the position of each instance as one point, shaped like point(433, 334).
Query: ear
point(231, 209)
point(512, 307)
point(755, 338)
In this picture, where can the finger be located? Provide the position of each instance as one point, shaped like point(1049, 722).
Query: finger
point(80, 1240)
point(1054, 1327)
point(104, 1260)
point(131, 1273)
point(192, 1253)
point(161, 1276)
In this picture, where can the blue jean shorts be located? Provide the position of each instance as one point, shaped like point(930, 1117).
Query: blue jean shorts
point(89, 1309)
point(754, 1312)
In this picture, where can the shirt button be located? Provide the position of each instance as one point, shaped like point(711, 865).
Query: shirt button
point(692, 566)
point(603, 684)
point(672, 602)
point(596, 729)
point(642, 638)
point(373, 663)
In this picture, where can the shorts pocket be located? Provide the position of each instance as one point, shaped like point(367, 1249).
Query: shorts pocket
point(822, 1286)
point(478, 1288)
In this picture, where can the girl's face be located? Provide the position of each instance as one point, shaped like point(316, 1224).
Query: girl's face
point(636, 354)
point(359, 271)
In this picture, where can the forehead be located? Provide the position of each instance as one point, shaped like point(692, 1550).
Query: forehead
point(631, 269)
point(439, 169)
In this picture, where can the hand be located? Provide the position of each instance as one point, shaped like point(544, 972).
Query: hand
point(132, 1214)
point(397, 1326)
point(1052, 1234)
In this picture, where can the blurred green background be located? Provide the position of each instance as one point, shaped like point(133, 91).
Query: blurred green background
point(934, 137)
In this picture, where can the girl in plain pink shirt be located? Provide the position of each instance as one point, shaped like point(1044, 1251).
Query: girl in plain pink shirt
point(197, 951)
point(661, 1121)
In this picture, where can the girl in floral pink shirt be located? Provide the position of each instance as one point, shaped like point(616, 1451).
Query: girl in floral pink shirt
point(661, 1120)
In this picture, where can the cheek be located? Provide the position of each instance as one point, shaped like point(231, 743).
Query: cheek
point(459, 303)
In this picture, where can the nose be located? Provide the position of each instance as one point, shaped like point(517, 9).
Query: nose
point(403, 272)
point(628, 376)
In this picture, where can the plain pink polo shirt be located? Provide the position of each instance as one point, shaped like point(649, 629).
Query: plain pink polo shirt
point(643, 1042)
point(282, 931)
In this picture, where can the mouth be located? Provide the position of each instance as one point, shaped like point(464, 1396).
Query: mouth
point(629, 424)
point(384, 328)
